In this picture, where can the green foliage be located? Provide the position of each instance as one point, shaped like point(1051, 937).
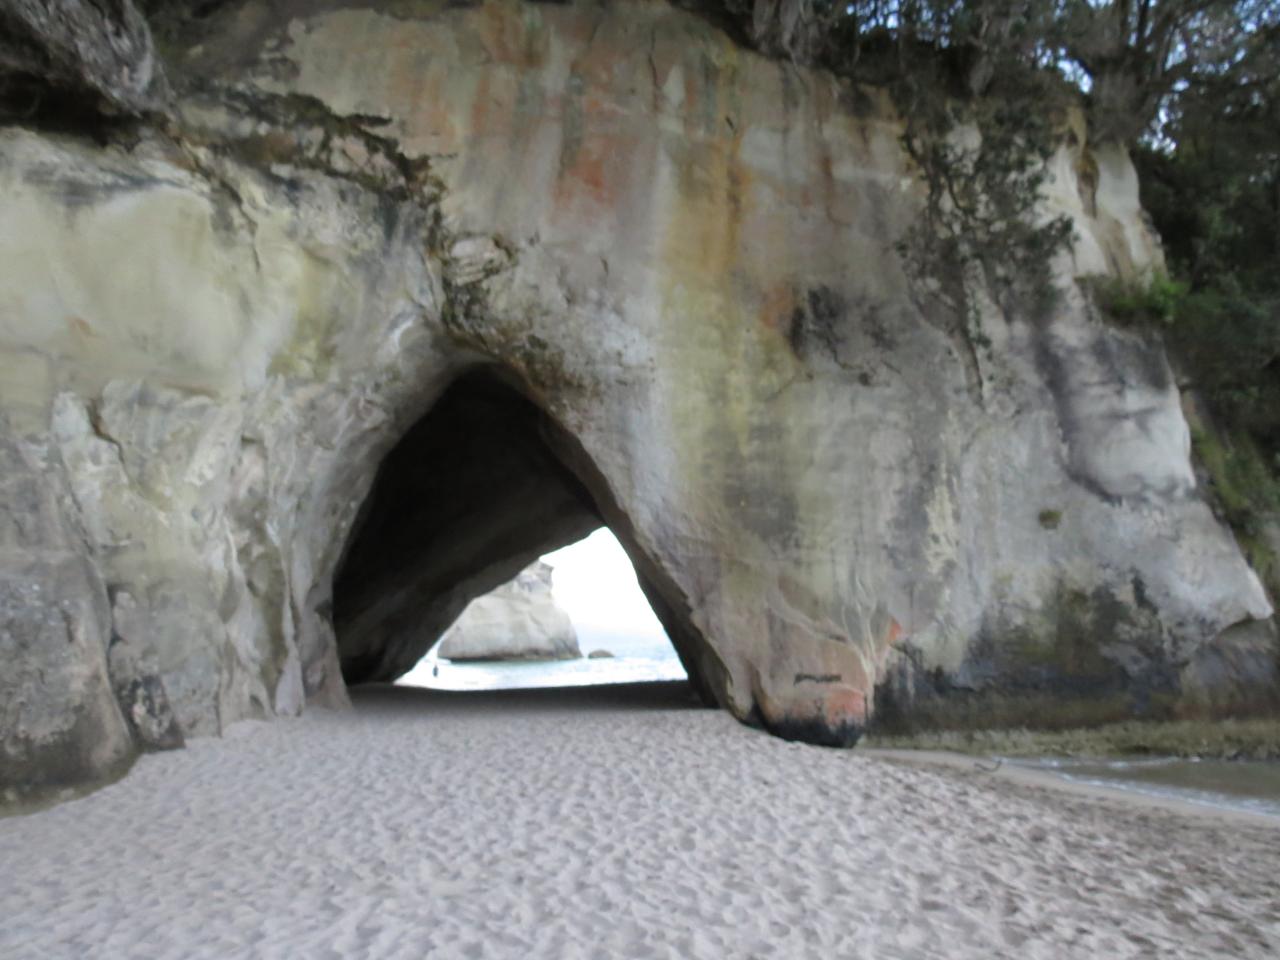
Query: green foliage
point(1212, 186)
point(1002, 67)
point(1132, 58)
point(1157, 301)
point(1140, 55)
point(951, 67)
point(1050, 519)
point(1244, 481)
point(1196, 82)
point(982, 193)
point(1213, 190)
point(1226, 341)
point(1245, 486)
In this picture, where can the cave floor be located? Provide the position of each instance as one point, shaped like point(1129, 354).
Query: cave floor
point(601, 822)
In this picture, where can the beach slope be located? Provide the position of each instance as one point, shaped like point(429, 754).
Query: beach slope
point(610, 823)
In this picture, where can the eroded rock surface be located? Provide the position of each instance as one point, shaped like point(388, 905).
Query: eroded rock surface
point(680, 255)
point(99, 49)
point(519, 620)
point(59, 721)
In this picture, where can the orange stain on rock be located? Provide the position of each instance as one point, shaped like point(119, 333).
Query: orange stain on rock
point(598, 166)
point(481, 101)
point(776, 307)
point(81, 326)
point(844, 705)
point(511, 39)
point(893, 634)
point(590, 173)
point(431, 114)
point(703, 235)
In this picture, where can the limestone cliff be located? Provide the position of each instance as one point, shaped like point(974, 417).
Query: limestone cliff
point(519, 620)
point(379, 302)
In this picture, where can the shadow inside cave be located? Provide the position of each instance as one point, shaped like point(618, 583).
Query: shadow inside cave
point(652, 695)
point(480, 486)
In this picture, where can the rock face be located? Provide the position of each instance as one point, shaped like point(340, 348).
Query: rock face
point(100, 49)
point(60, 723)
point(518, 621)
point(392, 301)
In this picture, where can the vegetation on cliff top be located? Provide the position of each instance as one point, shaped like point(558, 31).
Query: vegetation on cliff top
point(1209, 168)
point(1152, 73)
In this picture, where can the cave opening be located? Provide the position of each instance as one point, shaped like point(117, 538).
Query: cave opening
point(575, 617)
point(480, 487)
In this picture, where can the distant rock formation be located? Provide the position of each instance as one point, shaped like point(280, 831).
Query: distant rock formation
point(519, 620)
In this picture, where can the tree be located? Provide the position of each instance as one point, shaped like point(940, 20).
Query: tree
point(1131, 56)
point(1136, 54)
point(1211, 181)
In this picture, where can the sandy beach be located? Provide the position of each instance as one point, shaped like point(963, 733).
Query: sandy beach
point(622, 823)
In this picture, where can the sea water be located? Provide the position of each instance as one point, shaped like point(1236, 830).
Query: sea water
point(636, 658)
point(1250, 786)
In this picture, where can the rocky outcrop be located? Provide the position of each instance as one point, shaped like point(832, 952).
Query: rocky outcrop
point(398, 299)
point(78, 698)
point(59, 721)
point(518, 621)
point(95, 49)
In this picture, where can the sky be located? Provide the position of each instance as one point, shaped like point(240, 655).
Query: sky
point(596, 585)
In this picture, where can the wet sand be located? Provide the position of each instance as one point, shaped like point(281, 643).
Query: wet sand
point(1082, 778)
point(612, 823)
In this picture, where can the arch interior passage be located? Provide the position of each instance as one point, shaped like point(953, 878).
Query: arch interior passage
point(473, 493)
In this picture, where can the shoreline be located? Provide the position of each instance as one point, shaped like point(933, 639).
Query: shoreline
point(630, 823)
point(1254, 738)
point(969, 767)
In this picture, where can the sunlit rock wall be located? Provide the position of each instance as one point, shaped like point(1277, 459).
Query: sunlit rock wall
point(216, 324)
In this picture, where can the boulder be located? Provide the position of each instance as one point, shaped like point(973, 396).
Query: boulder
point(520, 620)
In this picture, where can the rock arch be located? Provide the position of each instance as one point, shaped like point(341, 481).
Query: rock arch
point(479, 486)
point(681, 256)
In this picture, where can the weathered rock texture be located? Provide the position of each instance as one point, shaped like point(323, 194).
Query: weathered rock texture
point(100, 49)
point(668, 264)
point(59, 720)
point(517, 621)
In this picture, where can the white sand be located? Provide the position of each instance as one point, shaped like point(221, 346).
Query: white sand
point(557, 825)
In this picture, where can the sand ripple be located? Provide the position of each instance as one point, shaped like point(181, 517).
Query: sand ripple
point(564, 826)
